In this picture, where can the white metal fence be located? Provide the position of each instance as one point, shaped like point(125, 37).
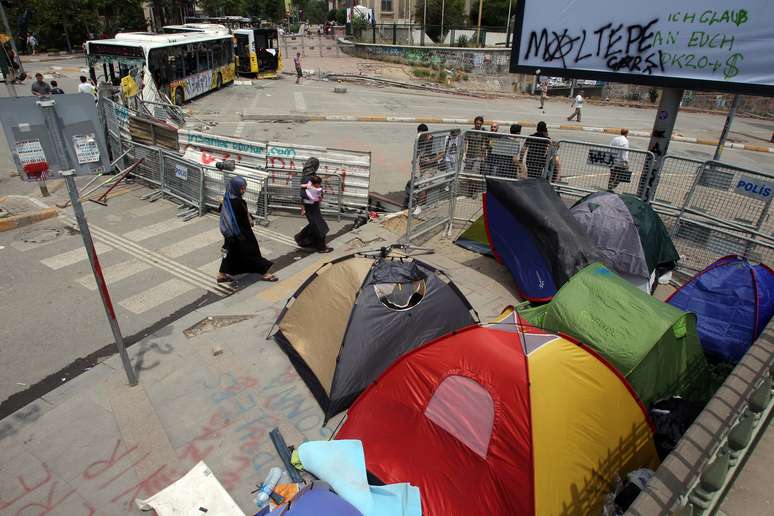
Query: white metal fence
point(711, 209)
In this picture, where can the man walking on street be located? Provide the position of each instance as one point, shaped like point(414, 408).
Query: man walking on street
point(32, 44)
point(55, 89)
point(543, 94)
point(85, 87)
point(620, 172)
point(578, 105)
point(40, 87)
point(299, 71)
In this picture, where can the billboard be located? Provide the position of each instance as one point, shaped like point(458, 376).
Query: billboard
point(691, 44)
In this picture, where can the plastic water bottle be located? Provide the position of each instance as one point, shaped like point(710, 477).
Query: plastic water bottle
point(262, 498)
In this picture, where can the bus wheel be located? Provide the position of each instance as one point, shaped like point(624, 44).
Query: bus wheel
point(179, 96)
point(220, 81)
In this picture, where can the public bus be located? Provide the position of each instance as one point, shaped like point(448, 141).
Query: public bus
point(183, 65)
point(215, 28)
point(257, 52)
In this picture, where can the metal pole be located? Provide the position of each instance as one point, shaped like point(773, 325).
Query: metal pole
point(478, 27)
point(508, 23)
point(443, 11)
point(43, 188)
point(424, 23)
point(726, 128)
point(88, 243)
point(666, 116)
point(13, 42)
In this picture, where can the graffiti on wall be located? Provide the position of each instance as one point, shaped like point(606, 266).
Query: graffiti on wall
point(481, 62)
point(200, 83)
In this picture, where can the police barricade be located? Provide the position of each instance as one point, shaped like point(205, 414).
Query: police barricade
point(353, 169)
point(283, 191)
point(674, 180)
point(434, 170)
point(183, 180)
point(501, 155)
point(580, 168)
point(726, 211)
point(151, 168)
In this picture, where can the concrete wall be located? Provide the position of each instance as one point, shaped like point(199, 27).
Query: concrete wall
point(476, 61)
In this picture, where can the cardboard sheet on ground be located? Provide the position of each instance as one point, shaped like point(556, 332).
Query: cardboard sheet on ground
point(342, 465)
point(197, 489)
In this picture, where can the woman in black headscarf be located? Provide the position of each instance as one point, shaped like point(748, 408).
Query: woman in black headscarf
point(242, 254)
point(313, 234)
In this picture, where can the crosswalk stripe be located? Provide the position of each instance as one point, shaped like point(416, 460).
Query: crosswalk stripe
point(72, 257)
point(191, 244)
point(300, 103)
point(115, 273)
point(158, 295)
point(150, 209)
point(212, 267)
point(159, 261)
point(165, 226)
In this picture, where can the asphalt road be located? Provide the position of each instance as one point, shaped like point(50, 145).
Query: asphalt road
point(159, 268)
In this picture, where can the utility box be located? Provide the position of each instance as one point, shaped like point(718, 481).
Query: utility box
point(48, 135)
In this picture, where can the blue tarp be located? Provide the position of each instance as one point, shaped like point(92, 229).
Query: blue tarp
point(733, 301)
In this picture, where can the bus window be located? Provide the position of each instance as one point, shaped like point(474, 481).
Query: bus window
point(229, 51)
point(190, 61)
point(204, 59)
point(217, 56)
point(179, 55)
point(161, 68)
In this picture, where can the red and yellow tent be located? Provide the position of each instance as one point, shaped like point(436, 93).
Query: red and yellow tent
point(502, 420)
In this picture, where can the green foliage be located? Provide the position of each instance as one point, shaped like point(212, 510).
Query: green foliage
point(265, 9)
point(223, 7)
point(494, 13)
point(442, 75)
point(653, 94)
point(454, 15)
point(316, 11)
point(67, 25)
point(421, 72)
point(339, 16)
point(359, 24)
point(462, 40)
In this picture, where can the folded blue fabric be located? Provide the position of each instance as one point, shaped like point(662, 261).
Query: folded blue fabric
point(342, 465)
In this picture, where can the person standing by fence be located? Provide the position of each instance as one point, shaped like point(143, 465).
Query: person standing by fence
point(536, 151)
point(299, 71)
point(577, 104)
point(543, 95)
point(241, 253)
point(620, 172)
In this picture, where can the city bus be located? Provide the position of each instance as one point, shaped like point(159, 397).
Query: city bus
point(257, 52)
point(183, 65)
point(215, 28)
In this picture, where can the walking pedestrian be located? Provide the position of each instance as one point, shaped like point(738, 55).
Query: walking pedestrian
point(40, 87)
point(86, 87)
point(55, 89)
point(299, 71)
point(32, 44)
point(543, 94)
point(314, 233)
point(536, 151)
point(241, 254)
point(577, 104)
point(620, 173)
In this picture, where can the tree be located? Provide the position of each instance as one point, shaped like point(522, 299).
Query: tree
point(223, 7)
point(453, 16)
point(316, 11)
point(495, 13)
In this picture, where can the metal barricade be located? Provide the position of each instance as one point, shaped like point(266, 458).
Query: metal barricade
point(431, 189)
point(497, 155)
point(183, 180)
point(283, 191)
point(674, 181)
point(580, 168)
point(726, 211)
point(150, 170)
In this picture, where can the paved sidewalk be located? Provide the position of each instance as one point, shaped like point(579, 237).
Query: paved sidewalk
point(95, 444)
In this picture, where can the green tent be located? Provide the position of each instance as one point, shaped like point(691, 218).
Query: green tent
point(653, 344)
point(475, 238)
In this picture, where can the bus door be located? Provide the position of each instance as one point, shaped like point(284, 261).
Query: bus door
point(267, 51)
point(245, 53)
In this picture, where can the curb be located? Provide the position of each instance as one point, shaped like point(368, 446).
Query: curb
point(25, 219)
point(469, 121)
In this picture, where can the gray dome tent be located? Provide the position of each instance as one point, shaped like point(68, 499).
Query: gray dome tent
point(352, 318)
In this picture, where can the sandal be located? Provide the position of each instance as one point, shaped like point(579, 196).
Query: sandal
point(225, 279)
point(326, 250)
point(270, 277)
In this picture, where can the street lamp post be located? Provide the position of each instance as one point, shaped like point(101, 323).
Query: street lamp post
point(478, 27)
point(424, 23)
point(508, 25)
point(443, 8)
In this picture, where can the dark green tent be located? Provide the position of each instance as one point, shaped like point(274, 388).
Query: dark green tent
point(654, 345)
